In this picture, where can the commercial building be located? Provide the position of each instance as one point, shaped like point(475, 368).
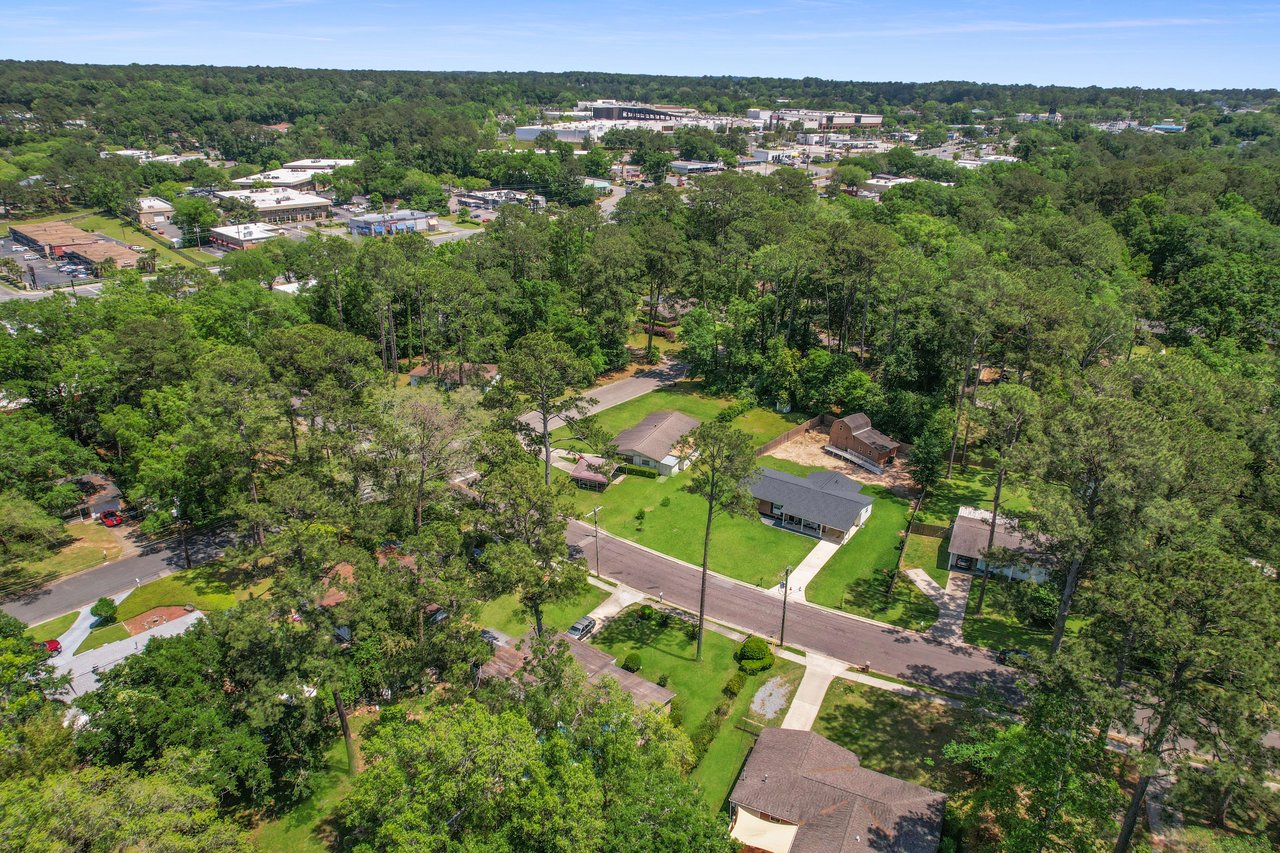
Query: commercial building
point(243, 236)
point(800, 792)
point(319, 164)
point(150, 210)
point(278, 204)
point(98, 253)
point(493, 199)
point(695, 167)
point(50, 238)
point(397, 222)
point(294, 179)
point(817, 119)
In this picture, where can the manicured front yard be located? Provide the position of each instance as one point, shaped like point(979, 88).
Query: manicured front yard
point(971, 486)
point(928, 553)
point(699, 687)
point(206, 588)
point(507, 615)
point(674, 522)
point(856, 577)
point(897, 735)
point(52, 629)
point(90, 544)
point(999, 627)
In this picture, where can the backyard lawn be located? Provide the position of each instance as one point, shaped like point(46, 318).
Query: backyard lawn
point(974, 487)
point(506, 614)
point(674, 522)
point(670, 650)
point(897, 735)
point(998, 627)
point(855, 578)
point(52, 629)
point(928, 553)
point(204, 587)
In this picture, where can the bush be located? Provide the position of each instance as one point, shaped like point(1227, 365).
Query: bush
point(646, 613)
point(631, 663)
point(752, 667)
point(663, 680)
point(637, 471)
point(640, 514)
point(735, 684)
point(740, 407)
point(661, 332)
point(666, 501)
point(752, 648)
point(723, 707)
point(676, 711)
point(105, 610)
point(1035, 605)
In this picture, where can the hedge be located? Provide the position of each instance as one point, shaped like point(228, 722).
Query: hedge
point(740, 407)
point(751, 667)
point(638, 471)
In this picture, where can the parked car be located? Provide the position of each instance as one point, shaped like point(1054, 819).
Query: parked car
point(53, 647)
point(490, 637)
point(15, 248)
point(1013, 657)
point(111, 518)
point(137, 248)
point(582, 628)
point(30, 256)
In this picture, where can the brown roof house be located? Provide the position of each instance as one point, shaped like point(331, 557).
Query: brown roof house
point(853, 438)
point(655, 442)
point(592, 473)
point(968, 546)
point(98, 494)
point(508, 662)
point(801, 793)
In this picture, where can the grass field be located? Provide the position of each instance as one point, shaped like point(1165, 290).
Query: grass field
point(893, 734)
point(506, 614)
point(928, 553)
point(674, 522)
point(855, 578)
point(205, 587)
point(998, 627)
point(52, 629)
point(974, 487)
point(90, 545)
point(664, 346)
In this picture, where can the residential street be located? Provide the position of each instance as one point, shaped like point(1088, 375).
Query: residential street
point(83, 589)
point(891, 651)
point(607, 396)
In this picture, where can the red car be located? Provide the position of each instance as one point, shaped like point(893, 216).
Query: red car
point(111, 518)
point(53, 647)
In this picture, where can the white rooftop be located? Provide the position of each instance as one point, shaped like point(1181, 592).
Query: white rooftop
point(248, 231)
point(150, 203)
point(318, 163)
point(280, 177)
point(273, 197)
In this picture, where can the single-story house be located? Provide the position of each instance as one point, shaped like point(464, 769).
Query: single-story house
point(968, 546)
point(655, 442)
point(592, 473)
point(857, 441)
point(800, 792)
point(508, 664)
point(824, 504)
point(98, 494)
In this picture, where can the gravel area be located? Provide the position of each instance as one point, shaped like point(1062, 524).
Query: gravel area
point(806, 449)
point(771, 698)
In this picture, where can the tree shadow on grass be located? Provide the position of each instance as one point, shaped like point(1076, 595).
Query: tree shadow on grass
point(628, 627)
point(902, 606)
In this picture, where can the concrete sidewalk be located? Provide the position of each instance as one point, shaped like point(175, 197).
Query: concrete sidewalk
point(84, 668)
point(818, 674)
point(951, 603)
point(808, 569)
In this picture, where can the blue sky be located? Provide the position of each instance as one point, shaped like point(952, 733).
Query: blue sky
point(1172, 43)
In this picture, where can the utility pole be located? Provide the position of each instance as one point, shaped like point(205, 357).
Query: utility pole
point(786, 588)
point(595, 515)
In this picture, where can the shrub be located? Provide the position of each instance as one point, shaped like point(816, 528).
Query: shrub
point(739, 407)
point(666, 501)
point(1035, 605)
point(735, 684)
point(724, 706)
point(663, 680)
point(752, 648)
point(751, 667)
point(646, 613)
point(640, 514)
point(637, 471)
point(105, 610)
point(631, 663)
point(676, 711)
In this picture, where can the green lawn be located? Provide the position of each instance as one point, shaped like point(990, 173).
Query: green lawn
point(305, 827)
point(897, 735)
point(721, 766)
point(855, 578)
point(664, 346)
point(206, 587)
point(974, 487)
point(998, 627)
point(506, 614)
point(133, 234)
point(89, 544)
point(741, 548)
point(786, 466)
point(926, 552)
point(52, 629)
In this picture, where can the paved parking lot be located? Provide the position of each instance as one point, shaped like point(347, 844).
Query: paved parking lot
point(47, 273)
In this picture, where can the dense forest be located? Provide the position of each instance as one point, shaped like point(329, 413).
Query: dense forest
point(1096, 324)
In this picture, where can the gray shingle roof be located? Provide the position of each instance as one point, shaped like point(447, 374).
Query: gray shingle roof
point(824, 497)
point(969, 535)
point(840, 806)
point(656, 435)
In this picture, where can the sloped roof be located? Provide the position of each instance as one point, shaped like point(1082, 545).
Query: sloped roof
point(599, 664)
point(838, 805)
point(860, 425)
point(591, 469)
point(824, 497)
point(656, 435)
point(972, 529)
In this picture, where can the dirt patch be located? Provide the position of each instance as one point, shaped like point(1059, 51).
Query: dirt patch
point(771, 698)
point(153, 618)
point(806, 449)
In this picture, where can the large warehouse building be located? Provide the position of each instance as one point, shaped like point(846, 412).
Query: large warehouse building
point(278, 204)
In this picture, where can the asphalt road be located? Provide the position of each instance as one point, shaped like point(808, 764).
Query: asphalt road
point(83, 589)
point(608, 396)
point(891, 651)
